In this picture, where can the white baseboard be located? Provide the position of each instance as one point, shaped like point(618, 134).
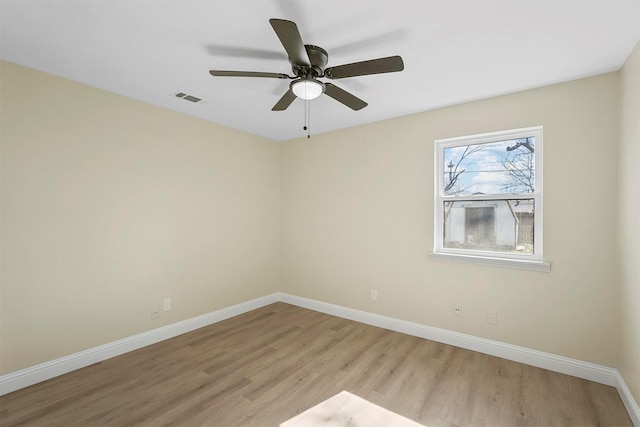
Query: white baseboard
point(629, 402)
point(577, 368)
point(44, 371)
point(589, 371)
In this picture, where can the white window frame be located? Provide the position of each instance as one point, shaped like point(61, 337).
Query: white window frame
point(500, 259)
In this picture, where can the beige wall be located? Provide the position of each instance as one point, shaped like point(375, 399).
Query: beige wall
point(110, 205)
point(629, 225)
point(358, 215)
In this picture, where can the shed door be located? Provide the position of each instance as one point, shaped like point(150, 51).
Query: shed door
point(479, 226)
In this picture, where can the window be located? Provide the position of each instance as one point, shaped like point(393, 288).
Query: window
point(488, 198)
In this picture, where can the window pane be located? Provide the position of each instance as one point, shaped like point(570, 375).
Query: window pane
point(489, 225)
point(504, 167)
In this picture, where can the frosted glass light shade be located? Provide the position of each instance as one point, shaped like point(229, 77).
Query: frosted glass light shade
point(307, 89)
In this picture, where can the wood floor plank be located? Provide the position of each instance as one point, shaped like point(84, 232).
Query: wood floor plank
point(266, 366)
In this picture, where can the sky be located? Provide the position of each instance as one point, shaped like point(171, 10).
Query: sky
point(482, 167)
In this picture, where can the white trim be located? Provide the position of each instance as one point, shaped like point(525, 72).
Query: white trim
point(482, 138)
point(629, 402)
point(44, 371)
point(494, 262)
point(589, 371)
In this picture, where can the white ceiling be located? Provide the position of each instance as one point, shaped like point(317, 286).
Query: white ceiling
point(454, 51)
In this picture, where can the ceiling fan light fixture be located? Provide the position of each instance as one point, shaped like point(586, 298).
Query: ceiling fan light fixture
point(307, 89)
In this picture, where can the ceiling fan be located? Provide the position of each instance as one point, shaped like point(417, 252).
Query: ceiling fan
point(308, 64)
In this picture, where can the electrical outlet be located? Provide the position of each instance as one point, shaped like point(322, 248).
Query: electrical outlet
point(457, 309)
point(492, 317)
point(155, 312)
point(166, 304)
point(374, 295)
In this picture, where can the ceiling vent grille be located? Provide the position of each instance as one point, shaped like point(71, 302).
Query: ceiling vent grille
point(188, 97)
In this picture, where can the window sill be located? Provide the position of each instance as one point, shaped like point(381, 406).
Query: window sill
point(542, 266)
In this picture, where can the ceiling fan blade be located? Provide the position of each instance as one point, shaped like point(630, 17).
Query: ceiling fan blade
point(222, 73)
point(244, 52)
point(374, 66)
point(285, 101)
point(289, 36)
point(344, 97)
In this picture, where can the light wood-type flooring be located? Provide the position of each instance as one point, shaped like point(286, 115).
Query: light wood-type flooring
point(263, 367)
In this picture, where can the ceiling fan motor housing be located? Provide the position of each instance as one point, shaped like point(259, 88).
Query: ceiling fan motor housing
point(318, 58)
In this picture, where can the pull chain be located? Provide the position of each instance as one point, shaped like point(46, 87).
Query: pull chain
point(307, 118)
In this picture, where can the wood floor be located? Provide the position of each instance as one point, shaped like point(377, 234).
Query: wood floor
point(265, 366)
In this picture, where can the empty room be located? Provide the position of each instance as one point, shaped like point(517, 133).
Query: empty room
point(320, 213)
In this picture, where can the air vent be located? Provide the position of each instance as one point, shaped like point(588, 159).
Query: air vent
point(188, 97)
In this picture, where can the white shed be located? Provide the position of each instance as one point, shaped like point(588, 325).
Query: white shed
point(478, 224)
